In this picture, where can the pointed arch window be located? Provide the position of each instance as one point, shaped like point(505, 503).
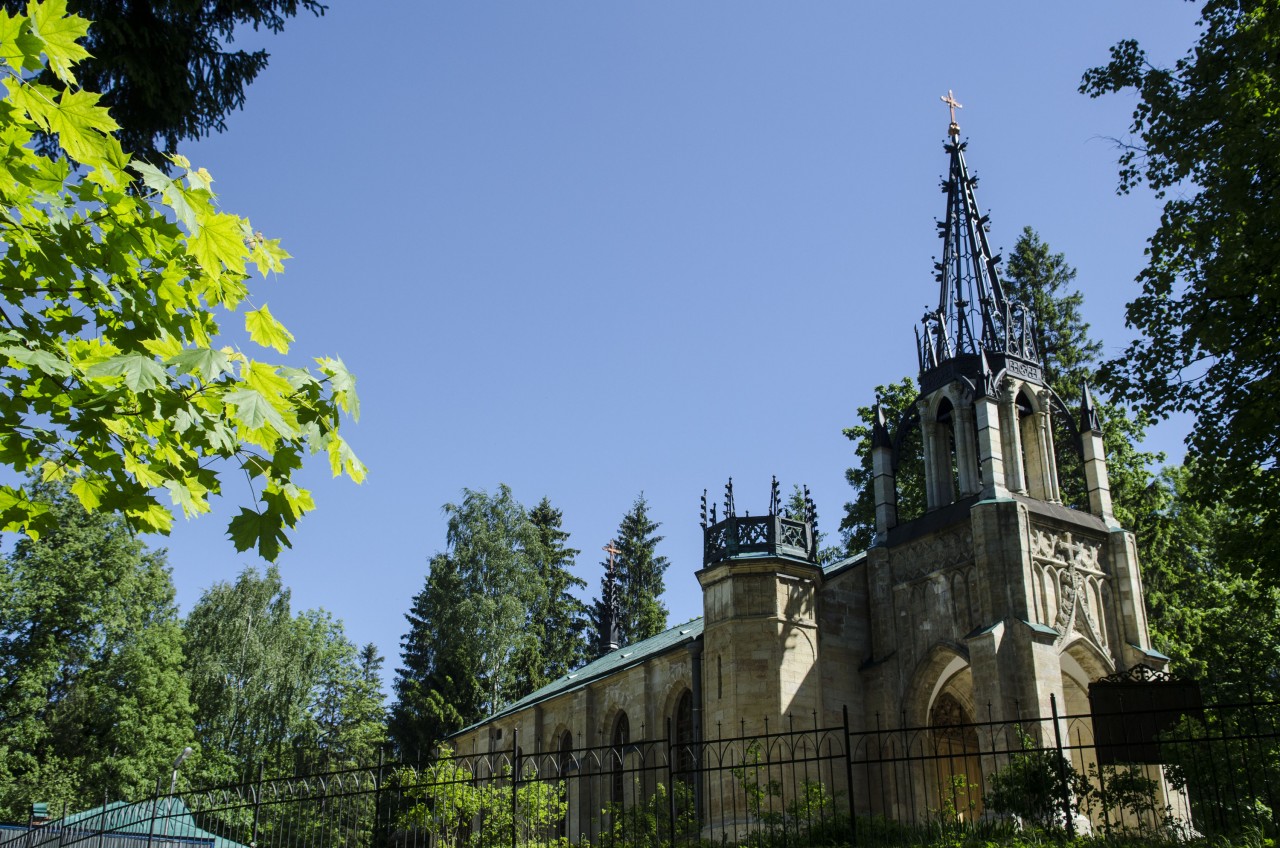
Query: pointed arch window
point(686, 760)
point(618, 741)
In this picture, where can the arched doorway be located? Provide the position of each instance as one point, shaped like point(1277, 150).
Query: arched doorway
point(957, 768)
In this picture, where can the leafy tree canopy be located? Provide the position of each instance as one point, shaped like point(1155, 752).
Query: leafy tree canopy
point(92, 696)
point(272, 689)
point(166, 69)
point(1205, 140)
point(1217, 619)
point(468, 627)
point(113, 281)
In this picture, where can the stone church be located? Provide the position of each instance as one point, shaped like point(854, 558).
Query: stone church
point(995, 599)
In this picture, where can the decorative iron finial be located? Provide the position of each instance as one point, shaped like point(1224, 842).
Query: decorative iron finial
point(729, 511)
point(1089, 419)
point(713, 514)
point(950, 99)
point(812, 509)
point(880, 437)
point(609, 635)
point(704, 509)
point(775, 499)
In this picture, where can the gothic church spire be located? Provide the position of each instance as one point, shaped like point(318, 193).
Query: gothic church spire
point(973, 314)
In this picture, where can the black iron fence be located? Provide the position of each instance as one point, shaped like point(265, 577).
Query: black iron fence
point(1173, 773)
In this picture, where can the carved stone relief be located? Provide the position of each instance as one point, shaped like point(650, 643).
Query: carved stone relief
point(938, 552)
point(1070, 583)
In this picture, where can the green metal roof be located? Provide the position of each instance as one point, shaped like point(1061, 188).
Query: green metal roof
point(610, 663)
point(172, 819)
point(833, 568)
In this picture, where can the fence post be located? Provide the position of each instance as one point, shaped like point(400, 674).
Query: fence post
point(671, 784)
point(257, 802)
point(515, 781)
point(151, 831)
point(1062, 769)
point(848, 775)
point(376, 832)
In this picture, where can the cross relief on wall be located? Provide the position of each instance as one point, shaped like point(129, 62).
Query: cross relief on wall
point(1071, 588)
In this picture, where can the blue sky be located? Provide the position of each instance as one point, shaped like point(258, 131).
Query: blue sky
point(595, 249)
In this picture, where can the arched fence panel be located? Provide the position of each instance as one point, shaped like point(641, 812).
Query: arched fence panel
point(800, 781)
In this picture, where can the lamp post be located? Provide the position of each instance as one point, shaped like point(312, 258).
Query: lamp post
point(173, 785)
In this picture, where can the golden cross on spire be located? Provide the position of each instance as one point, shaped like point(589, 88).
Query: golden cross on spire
point(950, 99)
point(612, 550)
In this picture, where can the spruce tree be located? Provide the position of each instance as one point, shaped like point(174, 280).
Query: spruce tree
point(1041, 280)
point(93, 700)
point(349, 716)
point(640, 572)
point(436, 689)
point(557, 618)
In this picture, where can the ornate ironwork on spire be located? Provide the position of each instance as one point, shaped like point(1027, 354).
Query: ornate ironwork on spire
point(610, 638)
point(973, 313)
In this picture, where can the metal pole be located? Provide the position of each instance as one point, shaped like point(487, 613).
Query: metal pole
point(155, 801)
point(257, 804)
point(848, 775)
point(515, 782)
point(377, 797)
point(1062, 769)
point(671, 785)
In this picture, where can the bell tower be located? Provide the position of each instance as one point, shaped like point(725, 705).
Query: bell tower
point(760, 581)
point(999, 593)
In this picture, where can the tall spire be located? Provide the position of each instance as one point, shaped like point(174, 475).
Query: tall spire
point(973, 313)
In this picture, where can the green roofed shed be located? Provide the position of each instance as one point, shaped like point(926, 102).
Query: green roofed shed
point(172, 823)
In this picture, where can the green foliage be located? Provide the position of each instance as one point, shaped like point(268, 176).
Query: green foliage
point(447, 801)
point(858, 527)
point(556, 621)
point(115, 278)
point(1226, 763)
point(810, 812)
point(468, 650)
point(648, 824)
point(165, 68)
point(273, 690)
point(93, 700)
point(1042, 280)
point(1205, 141)
point(348, 716)
point(1033, 785)
point(640, 579)
point(1212, 613)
